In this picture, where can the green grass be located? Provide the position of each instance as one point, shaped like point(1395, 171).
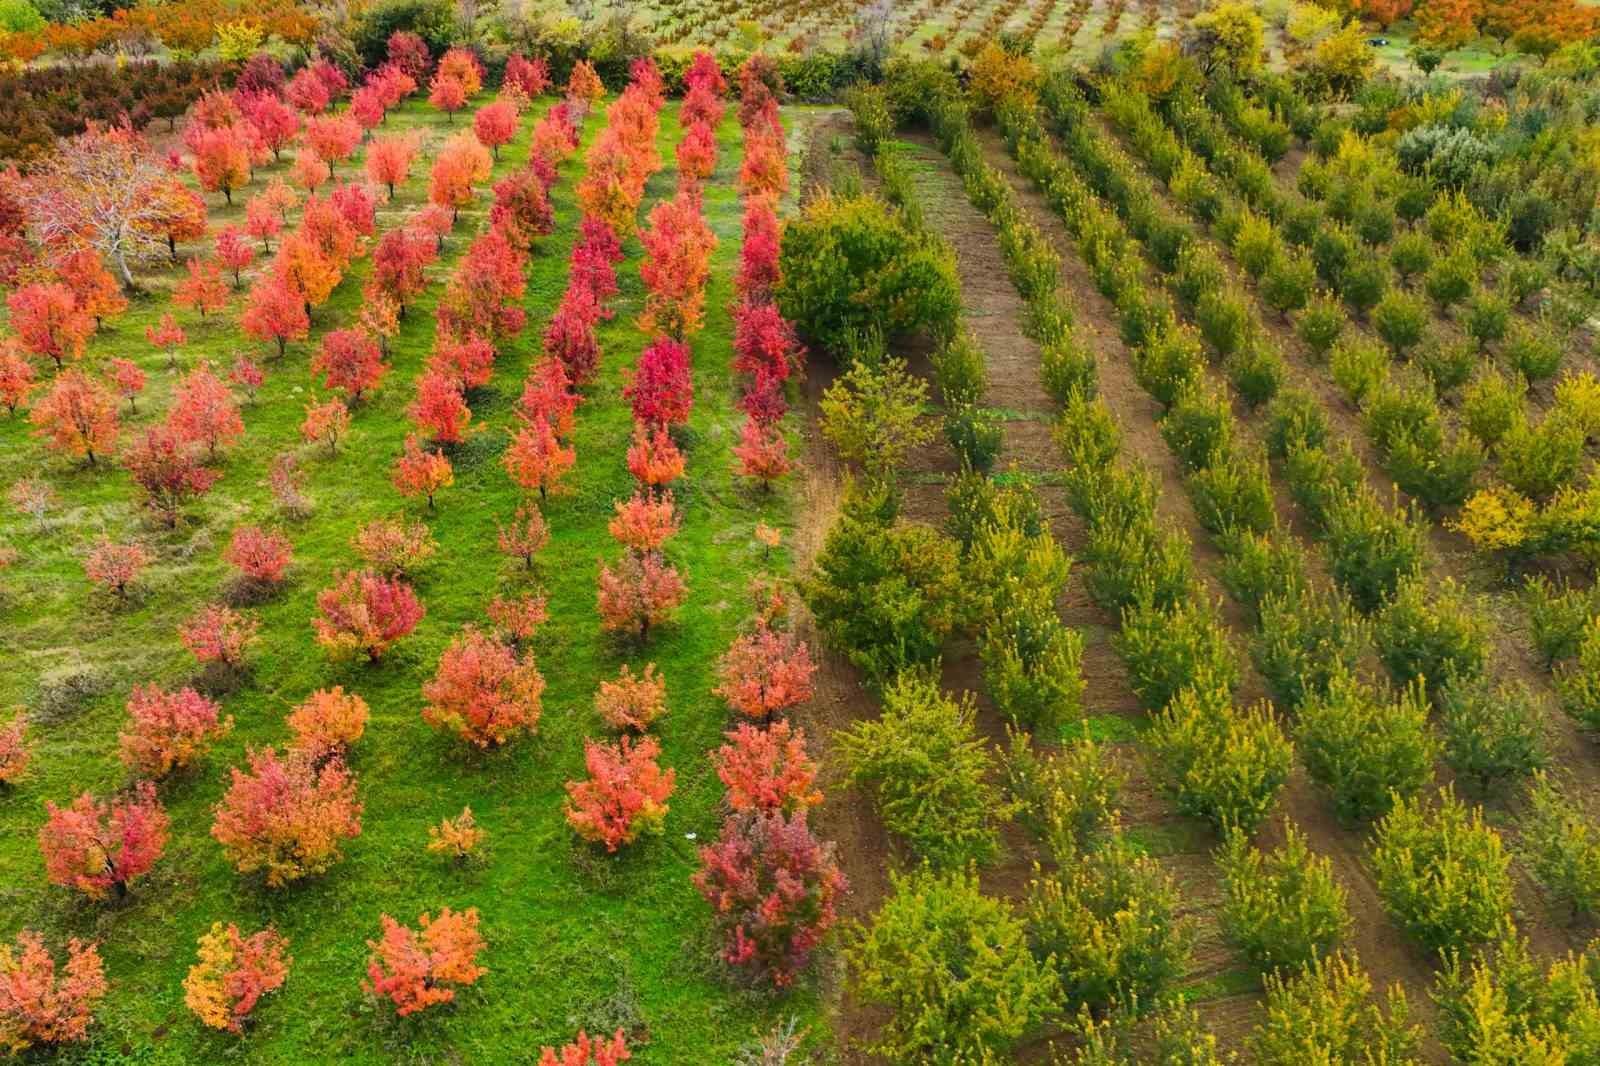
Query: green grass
point(575, 939)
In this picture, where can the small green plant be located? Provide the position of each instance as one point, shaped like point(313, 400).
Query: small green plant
point(1488, 317)
point(1169, 364)
point(1256, 371)
point(1325, 1013)
point(869, 106)
point(1534, 351)
point(1491, 405)
point(1358, 368)
point(1578, 682)
point(1283, 907)
point(1441, 872)
point(1411, 255)
point(1371, 547)
point(1295, 420)
point(1451, 278)
point(1168, 649)
point(1432, 634)
point(1501, 999)
point(1224, 319)
point(1219, 762)
point(1288, 283)
point(1069, 798)
point(1538, 460)
point(1491, 731)
point(1447, 364)
point(1032, 665)
point(960, 372)
point(1558, 615)
point(1561, 844)
point(1066, 367)
point(1257, 245)
point(1256, 565)
point(975, 434)
point(1233, 493)
point(1364, 284)
point(1198, 427)
point(873, 415)
point(1366, 747)
point(1321, 324)
point(1307, 636)
point(1400, 320)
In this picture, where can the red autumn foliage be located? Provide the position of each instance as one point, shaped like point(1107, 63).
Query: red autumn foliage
point(463, 65)
point(642, 591)
point(218, 634)
point(530, 76)
point(764, 343)
point(203, 290)
point(645, 522)
point(355, 204)
point(495, 124)
point(765, 672)
point(536, 459)
point(168, 730)
point(41, 1005)
point(389, 160)
point(365, 612)
point(349, 360)
point(258, 554)
point(166, 335)
point(632, 702)
point(594, 258)
point(483, 692)
point(676, 266)
point(765, 171)
point(409, 52)
point(203, 410)
point(460, 165)
point(705, 75)
point(763, 452)
point(517, 620)
point(310, 171)
point(570, 336)
point(697, 152)
point(653, 459)
point(468, 360)
point(484, 294)
point(368, 106)
point(287, 816)
point(233, 972)
point(394, 547)
point(16, 379)
point(767, 769)
point(15, 750)
point(439, 408)
point(326, 421)
point(247, 375)
point(661, 391)
point(400, 262)
point(47, 322)
point(584, 1051)
point(327, 722)
point(77, 417)
point(522, 211)
point(262, 221)
point(418, 969)
point(98, 846)
point(222, 159)
point(167, 468)
point(94, 291)
point(555, 138)
point(547, 393)
point(525, 536)
point(275, 312)
point(114, 567)
point(420, 471)
point(275, 122)
point(625, 794)
point(308, 93)
point(234, 252)
point(773, 889)
point(129, 380)
point(333, 137)
point(447, 94)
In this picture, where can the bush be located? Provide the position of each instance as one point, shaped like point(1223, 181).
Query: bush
point(1432, 634)
point(1069, 798)
point(1442, 874)
point(953, 969)
point(886, 593)
point(1295, 420)
point(960, 371)
point(1031, 666)
point(1558, 615)
point(1365, 747)
point(1538, 460)
point(1451, 278)
point(1288, 283)
point(1324, 1013)
point(1488, 317)
point(1491, 405)
point(1536, 351)
point(1562, 847)
point(1168, 365)
point(1168, 649)
point(1502, 1000)
point(1284, 907)
point(1321, 323)
point(1491, 732)
point(869, 107)
point(1370, 548)
point(1411, 255)
point(1198, 427)
point(873, 414)
point(1307, 636)
point(1358, 368)
point(1256, 565)
point(976, 502)
point(1578, 683)
point(1364, 283)
point(931, 772)
point(1234, 493)
point(975, 435)
point(1447, 364)
point(1220, 763)
point(1400, 320)
point(851, 265)
point(1224, 319)
point(1256, 371)
point(1066, 367)
point(1112, 924)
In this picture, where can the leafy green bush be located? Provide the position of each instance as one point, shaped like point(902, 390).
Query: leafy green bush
point(1578, 683)
point(1256, 565)
point(1432, 634)
point(1538, 460)
point(1451, 278)
point(1437, 470)
point(1411, 255)
point(975, 434)
point(1535, 351)
point(1400, 320)
point(931, 771)
point(1255, 371)
point(1112, 922)
point(1168, 365)
point(1225, 320)
point(1288, 282)
point(1032, 666)
point(851, 265)
point(887, 593)
point(952, 968)
point(1364, 284)
point(1448, 364)
point(1442, 873)
point(1295, 420)
point(1333, 249)
point(976, 502)
point(1365, 747)
point(1070, 798)
point(1233, 493)
point(1324, 1014)
point(1358, 368)
point(873, 415)
point(1371, 547)
point(1307, 636)
point(1219, 762)
point(1168, 649)
point(1321, 323)
point(1198, 427)
point(1558, 615)
point(1562, 846)
point(960, 371)
point(1501, 1003)
point(1491, 732)
point(1199, 272)
point(1257, 245)
point(1488, 317)
point(869, 107)
point(1491, 405)
point(1066, 367)
point(1284, 907)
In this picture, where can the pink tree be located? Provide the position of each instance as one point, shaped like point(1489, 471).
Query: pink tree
point(98, 846)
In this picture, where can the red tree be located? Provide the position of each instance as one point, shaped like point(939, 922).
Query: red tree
point(333, 138)
point(584, 1051)
point(632, 702)
point(365, 612)
point(653, 459)
point(349, 360)
point(275, 312)
point(168, 730)
point(287, 817)
point(114, 567)
point(570, 336)
point(536, 459)
point(234, 252)
point(625, 794)
point(204, 290)
point(274, 121)
point(39, 1005)
point(642, 591)
point(661, 392)
point(697, 152)
point(447, 94)
point(409, 53)
point(129, 380)
point(645, 522)
point(676, 266)
point(218, 634)
point(765, 672)
point(258, 554)
point(168, 336)
point(308, 93)
point(400, 262)
point(326, 421)
point(767, 769)
point(166, 466)
point(98, 846)
point(48, 323)
point(764, 343)
point(484, 295)
point(417, 969)
point(327, 723)
point(262, 221)
point(389, 160)
point(460, 165)
point(468, 360)
point(495, 124)
point(525, 536)
point(16, 379)
point(483, 692)
point(203, 410)
point(547, 393)
point(222, 160)
point(530, 76)
point(773, 889)
point(439, 408)
point(77, 417)
point(763, 453)
point(522, 211)
point(421, 472)
point(15, 750)
point(94, 291)
point(233, 973)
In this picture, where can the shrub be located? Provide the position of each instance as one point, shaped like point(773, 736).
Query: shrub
point(1558, 615)
point(287, 817)
point(1451, 278)
point(640, 592)
point(1256, 371)
point(1323, 480)
point(1411, 255)
point(98, 846)
point(767, 769)
point(1371, 549)
point(1307, 635)
point(960, 371)
point(327, 723)
point(395, 546)
point(1284, 907)
point(1220, 763)
point(168, 730)
point(772, 887)
point(460, 837)
point(886, 593)
point(1364, 284)
point(872, 414)
point(1198, 427)
point(1255, 565)
point(483, 692)
point(259, 555)
point(1400, 320)
point(1169, 649)
point(233, 973)
point(1358, 368)
point(1447, 364)
point(1324, 1013)
point(584, 1051)
point(1538, 460)
point(624, 796)
point(632, 702)
point(1491, 732)
point(419, 968)
point(1488, 317)
point(953, 969)
point(765, 672)
point(1502, 1001)
point(1534, 351)
point(1442, 874)
point(1491, 406)
point(218, 634)
point(41, 1004)
point(1224, 319)
point(1321, 324)
point(1431, 634)
point(930, 770)
point(1562, 847)
point(365, 612)
point(1288, 283)
point(1112, 923)
point(1070, 797)
point(975, 434)
point(1032, 665)
point(1366, 747)
point(1234, 493)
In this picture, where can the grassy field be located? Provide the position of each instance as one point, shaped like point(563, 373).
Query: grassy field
point(575, 939)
